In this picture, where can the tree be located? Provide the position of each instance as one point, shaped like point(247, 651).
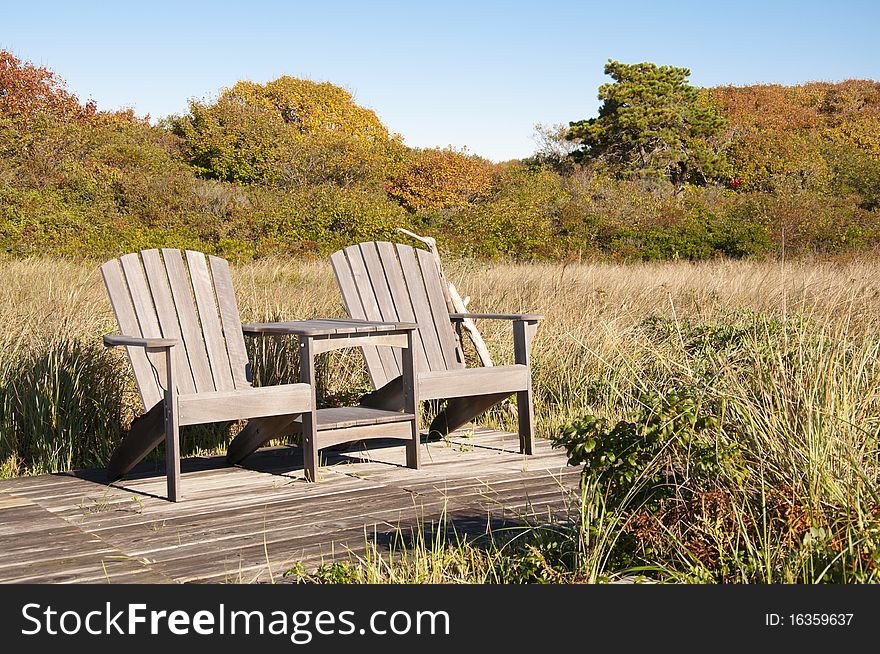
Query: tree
point(652, 123)
point(435, 179)
point(27, 90)
point(554, 148)
point(289, 130)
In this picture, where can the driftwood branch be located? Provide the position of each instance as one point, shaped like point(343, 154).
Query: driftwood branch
point(456, 304)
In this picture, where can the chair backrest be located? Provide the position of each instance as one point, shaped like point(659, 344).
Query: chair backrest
point(171, 295)
point(397, 283)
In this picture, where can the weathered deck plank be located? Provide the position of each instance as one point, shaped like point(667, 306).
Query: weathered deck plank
point(243, 524)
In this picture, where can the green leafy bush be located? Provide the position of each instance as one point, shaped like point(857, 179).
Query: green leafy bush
point(674, 441)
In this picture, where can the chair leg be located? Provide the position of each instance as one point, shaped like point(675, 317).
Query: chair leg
point(523, 333)
point(390, 397)
point(256, 433)
point(172, 447)
point(310, 445)
point(461, 410)
point(146, 432)
point(525, 409)
point(412, 447)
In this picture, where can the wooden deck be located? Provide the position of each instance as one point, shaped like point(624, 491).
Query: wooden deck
point(253, 522)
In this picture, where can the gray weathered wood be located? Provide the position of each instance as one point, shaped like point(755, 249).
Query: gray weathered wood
point(209, 317)
point(181, 327)
point(239, 404)
point(393, 431)
point(402, 302)
point(411, 401)
point(126, 318)
point(370, 303)
point(523, 333)
point(352, 301)
point(379, 284)
point(322, 345)
point(257, 433)
point(190, 328)
point(309, 418)
point(237, 523)
point(336, 426)
point(157, 279)
point(415, 285)
point(439, 313)
point(140, 294)
point(324, 327)
point(339, 417)
point(147, 431)
point(530, 317)
point(388, 397)
point(461, 410)
point(229, 318)
point(473, 381)
point(139, 341)
point(172, 430)
point(416, 293)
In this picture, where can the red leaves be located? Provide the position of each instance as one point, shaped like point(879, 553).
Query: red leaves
point(27, 91)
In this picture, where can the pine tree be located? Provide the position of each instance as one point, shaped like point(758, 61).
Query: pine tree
point(652, 123)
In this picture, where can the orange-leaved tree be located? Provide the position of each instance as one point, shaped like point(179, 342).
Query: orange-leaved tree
point(27, 91)
point(435, 178)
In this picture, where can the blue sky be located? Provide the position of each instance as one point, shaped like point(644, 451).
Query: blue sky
point(475, 74)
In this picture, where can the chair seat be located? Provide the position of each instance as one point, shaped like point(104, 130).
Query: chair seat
point(255, 402)
point(434, 385)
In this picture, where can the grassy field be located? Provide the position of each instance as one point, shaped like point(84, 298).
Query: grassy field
point(741, 399)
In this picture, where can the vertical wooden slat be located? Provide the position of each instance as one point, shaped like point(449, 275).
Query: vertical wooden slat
point(369, 302)
point(397, 286)
point(126, 318)
point(439, 310)
point(387, 308)
point(231, 321)
point(157, 278)
point(206, 304)
point(421, 308)
point(355, 309)
point(141, 297)
point(193, 338)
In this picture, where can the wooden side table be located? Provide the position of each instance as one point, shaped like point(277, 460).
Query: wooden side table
point(326, 427)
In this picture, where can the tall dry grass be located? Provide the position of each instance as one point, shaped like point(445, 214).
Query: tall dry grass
point(591, 355)
point(789, 350)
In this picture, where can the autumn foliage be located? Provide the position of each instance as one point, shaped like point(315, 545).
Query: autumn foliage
point(435, 179)
point(297, 166)
point(27, 91)
point(288, 130)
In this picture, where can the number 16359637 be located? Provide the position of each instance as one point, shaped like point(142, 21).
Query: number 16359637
point(808, 619)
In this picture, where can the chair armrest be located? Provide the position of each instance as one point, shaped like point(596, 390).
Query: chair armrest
point(111, 340)
point(528, 317)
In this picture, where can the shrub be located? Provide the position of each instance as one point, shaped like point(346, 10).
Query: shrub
point(27, 91)
point(674, 441)
point(289, 130)
point(517, 220)
point(435, 179)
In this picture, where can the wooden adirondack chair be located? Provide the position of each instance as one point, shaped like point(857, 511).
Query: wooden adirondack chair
point(384, 281)
point(179, 322)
